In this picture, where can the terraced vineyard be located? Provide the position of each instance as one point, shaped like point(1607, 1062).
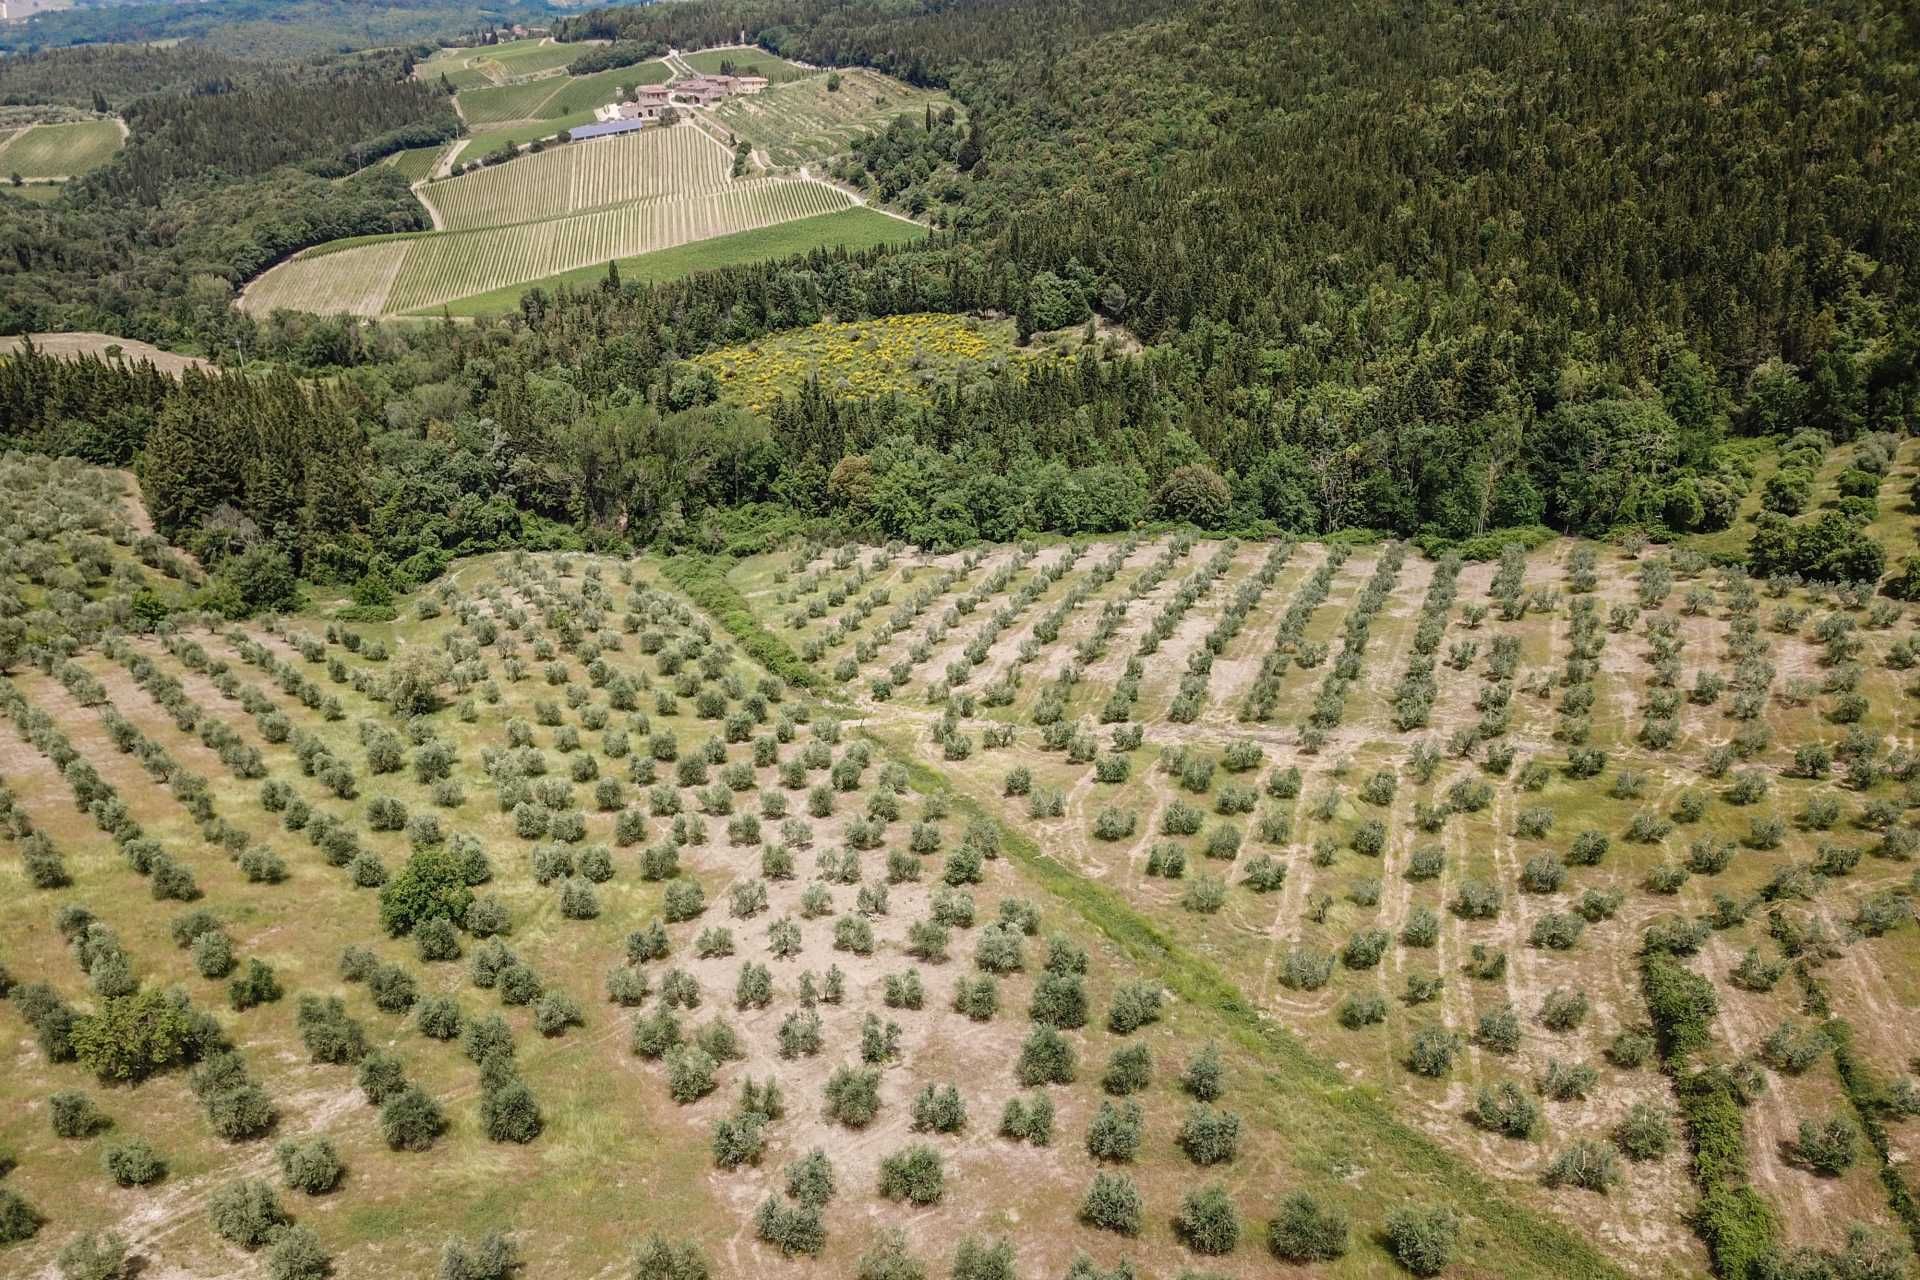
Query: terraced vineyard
point(414, 272)
point(586, 175)
point(56, 152)
point(804, 121)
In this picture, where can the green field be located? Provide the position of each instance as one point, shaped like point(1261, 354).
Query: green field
point(746, 61)
point(554, 96)
point(416, 162)
point(485, 65)
point(485, 144)
point(804, 121)
point(852, 229)
point(55, 152)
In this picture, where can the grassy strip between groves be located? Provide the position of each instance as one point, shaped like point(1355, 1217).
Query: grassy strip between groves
point(1868, 1099)
point(1293, 1072)
point(853, 229)
point(1739, 1227)
point(703, 579)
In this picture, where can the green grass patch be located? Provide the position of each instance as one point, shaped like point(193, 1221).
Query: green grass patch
point(60, 150)
point(484, 144)
point(746, 62)
point(853, 229)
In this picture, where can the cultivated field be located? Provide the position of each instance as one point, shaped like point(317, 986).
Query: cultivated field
point(582, 176)
point(414, 272)
point(853, 229)
point(803, 121)
point(56, 152)
point(1455, 824)
point(416, 163)
point(543, 909)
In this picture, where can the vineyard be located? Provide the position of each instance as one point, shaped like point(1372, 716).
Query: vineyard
point(585, 175)
point(56, 152)
point(805, 121)
point(415, 272)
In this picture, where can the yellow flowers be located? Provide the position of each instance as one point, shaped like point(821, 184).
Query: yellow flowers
point(896, 355)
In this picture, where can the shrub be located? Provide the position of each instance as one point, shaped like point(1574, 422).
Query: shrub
point(790, 1228)
point(939, 1110)
point(1433, 1051)
point(297, 1255)
point(1045, 1058)
point(1208, 1135)
point(246, 1213)
point(1115, 1132)
point(1499, 1030)
point(1028, 1120)
point(982, 1260)
point(1422, 1237)
point(853, 1096)
point(1112, 1204)
point(309, 1164)
point(73, 1115)
point(657, 1258)
point(18, 1219)
point(410, 1120)
point(1646, 1133)
point(133, 1163)
point(915, 1175)
point(1129, 1070)
point(510, 1113)
point(1586, 1164)
point(689, 1073)
point(1307, 1231)
point(1828, 1146)
point(1507, 1110)
point(94, 1255)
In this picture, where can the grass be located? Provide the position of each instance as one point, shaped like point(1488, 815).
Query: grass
point(60, 151)
point(749, 61)
point(490, 141)
point(852, 229)
point(484, 65)
point(552, 97)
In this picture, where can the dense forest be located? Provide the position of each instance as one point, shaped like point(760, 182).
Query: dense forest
point(1431, 269)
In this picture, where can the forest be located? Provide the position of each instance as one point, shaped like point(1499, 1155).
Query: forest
point(1462, 271)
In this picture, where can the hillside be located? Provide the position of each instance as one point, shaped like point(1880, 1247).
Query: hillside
point(1078, 641)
